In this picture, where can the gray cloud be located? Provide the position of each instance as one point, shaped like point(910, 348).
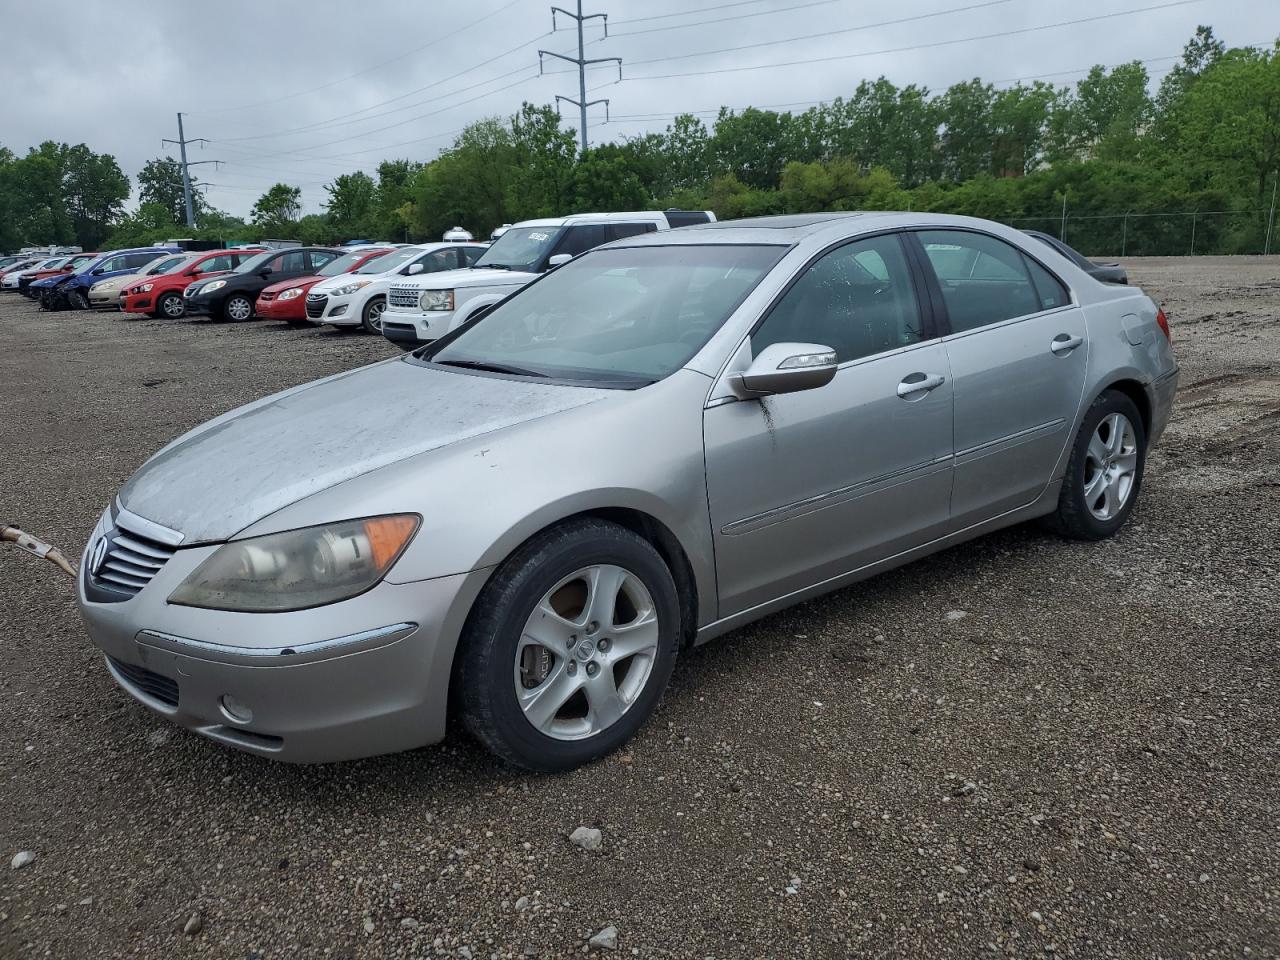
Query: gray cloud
point(243, 72)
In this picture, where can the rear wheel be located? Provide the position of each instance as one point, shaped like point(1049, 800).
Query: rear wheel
point(237, 308)
point(371, 317)
point(569, 646)
point(1104, 473)
point(170, 306)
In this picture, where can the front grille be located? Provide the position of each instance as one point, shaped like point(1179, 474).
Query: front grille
point(316, 302)
point(403, 297)
point(131, 558)
point(266, 296)
point(148, 682)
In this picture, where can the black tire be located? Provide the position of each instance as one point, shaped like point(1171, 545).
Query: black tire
point(368, 320)
point(1073, 517)
point(77, 300)
point(483, 678)
point(234, 299)
point(163, 304)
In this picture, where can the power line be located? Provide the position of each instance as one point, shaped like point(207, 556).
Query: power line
point(872, 53)
point(717, 20)
point(381, 64)
point(685, 13)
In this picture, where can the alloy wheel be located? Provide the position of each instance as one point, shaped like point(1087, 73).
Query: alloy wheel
point(238, 308)
point(1111, 464)
point(586, 652)
point(173, 307)
point(374, 313)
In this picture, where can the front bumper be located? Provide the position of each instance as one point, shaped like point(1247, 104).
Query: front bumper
point(410, 330)
point(199, 306)
point(137, 303)
point(101, 300)
point(366, 676)
point(294, 309)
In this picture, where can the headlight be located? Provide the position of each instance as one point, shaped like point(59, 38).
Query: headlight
point(145, 288)
point(210, 287)
point(291, 294)
point(350, 288)
point(437, 300)
point(300, 568)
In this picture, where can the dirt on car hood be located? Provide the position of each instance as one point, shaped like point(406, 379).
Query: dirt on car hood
point(235, 470)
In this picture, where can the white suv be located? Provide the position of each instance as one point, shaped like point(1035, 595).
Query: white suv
point(357, 299)
point(426, 308)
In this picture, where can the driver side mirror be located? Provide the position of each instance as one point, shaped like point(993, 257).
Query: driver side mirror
point(97, 271)
point(786, 368)
point(264, 272)
point(559, 260)
point(412, 269)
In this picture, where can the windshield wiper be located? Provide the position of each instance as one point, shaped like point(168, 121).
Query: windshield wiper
point(491, 266)
point(491, 367)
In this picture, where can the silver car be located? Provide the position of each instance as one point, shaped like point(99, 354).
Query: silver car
point(658, 442)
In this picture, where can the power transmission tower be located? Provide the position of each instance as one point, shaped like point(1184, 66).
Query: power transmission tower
point(181, 143)
point(582, 102)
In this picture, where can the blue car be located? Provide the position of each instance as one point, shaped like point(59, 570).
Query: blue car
point(72, 290)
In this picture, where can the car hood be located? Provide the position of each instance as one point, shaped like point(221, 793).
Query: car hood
point(469, 277)
point(305, 282)
point(235, 470)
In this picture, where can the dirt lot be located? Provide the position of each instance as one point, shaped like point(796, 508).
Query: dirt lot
point(1083, 765)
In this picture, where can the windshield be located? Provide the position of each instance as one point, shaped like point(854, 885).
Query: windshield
point(342, 264)
point(253, 263)
point(174, 264)
point(162, 265)
point(392, 261)
point(52, 264)
point(90, 264)
point(520, 248)
point(631, 315)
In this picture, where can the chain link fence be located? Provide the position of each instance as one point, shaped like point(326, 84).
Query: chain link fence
point(1165, 234)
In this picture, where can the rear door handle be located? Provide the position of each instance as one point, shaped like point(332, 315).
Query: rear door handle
point(916, 385)
point(1065, 343)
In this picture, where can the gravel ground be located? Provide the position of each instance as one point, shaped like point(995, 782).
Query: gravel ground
point(1084, 764)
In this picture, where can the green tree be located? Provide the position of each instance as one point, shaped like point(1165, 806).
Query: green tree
point(352, 204)
point(277, 210)
point(603, 183)
point(968, 129)
point(543, 154)
point(160, 182)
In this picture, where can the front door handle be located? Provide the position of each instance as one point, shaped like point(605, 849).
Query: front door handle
point(1064, 343)
point(916, 385)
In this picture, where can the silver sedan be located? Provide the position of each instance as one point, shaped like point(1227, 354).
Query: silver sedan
point(526, 521)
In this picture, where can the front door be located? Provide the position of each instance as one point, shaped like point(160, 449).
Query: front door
point(1017, 348)
point(807, 486)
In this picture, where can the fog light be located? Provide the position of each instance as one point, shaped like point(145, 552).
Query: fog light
point(234, 710)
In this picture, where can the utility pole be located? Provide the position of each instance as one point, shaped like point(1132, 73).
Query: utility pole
point(1062, 230)
point(582, 103)
point(1271, 218)
point(181, 143)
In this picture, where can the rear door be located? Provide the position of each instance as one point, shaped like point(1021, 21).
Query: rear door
point(1017, 347)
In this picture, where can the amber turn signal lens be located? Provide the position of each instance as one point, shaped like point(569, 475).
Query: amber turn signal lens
point(387, 537)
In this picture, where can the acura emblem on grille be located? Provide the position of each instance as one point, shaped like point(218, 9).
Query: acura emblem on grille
point(99, 555)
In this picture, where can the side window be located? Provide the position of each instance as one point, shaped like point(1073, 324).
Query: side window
point(580, 238)
point(858, 299)
point(983, 280)
point(216, 264)
point(320, 257)
point(115, 263)
point(616, 231)
point(1048, 287)
point(446, 259)
point(470, 255)
point(134, 260)
point(295, 261)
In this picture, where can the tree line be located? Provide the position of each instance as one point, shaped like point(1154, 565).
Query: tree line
point(1207, 141)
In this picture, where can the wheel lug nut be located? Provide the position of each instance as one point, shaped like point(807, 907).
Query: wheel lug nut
point(571, 641)
point(592, 669)
point(572, 668)
point(603, 645)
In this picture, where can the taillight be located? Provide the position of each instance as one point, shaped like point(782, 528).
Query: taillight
point(1164, 325)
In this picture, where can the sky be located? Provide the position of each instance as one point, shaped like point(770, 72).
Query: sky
point(302, 92)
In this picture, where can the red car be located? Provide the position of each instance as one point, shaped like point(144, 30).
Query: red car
point(161, 296)
point(287, 300)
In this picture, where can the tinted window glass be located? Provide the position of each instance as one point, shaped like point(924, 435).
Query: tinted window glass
point(471, 254)
point(1048, 287)
point(216, 264)
point(446, 259)
point(580, 238)
point(631, 315)
point(295, 261)
point(320, 257)
point(984, 280)
point(858, 299)
point(684, 218)
point(616, 231)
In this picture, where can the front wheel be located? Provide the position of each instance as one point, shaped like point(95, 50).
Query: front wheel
point(1104, 473)
point(237, 308)
point(569, 646)
point(78, 300)
point(171, 306)
point(371, 318)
